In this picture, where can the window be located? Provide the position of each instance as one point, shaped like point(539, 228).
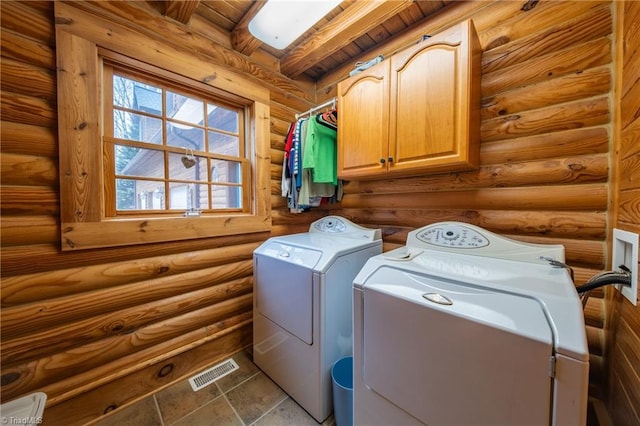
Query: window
point(168, 149)
point(144, 141)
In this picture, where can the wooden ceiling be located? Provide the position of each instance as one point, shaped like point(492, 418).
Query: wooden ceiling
point(351, 29)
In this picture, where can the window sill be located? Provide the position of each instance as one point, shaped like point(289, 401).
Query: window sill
point(123, 232)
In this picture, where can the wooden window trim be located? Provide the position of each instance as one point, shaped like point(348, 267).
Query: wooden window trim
point(83, 221)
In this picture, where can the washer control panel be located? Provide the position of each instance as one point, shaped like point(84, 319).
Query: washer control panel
point(459, 237)
point(330, 224)
point(341, 227)
point(452, 235)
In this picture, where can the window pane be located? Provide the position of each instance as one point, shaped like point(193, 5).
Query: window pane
point(187, 167)
point(132, 161)
point(132, 94)
point(183, 108)
point(221, 118)
point(137, 194)
point(226, 171)
point(226, 197)
point(185, 136)
point(224, 144)
point(136, 127)
point(186, 196)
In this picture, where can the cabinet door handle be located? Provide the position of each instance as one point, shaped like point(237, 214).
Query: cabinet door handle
point(382, 161)
point(391, 159)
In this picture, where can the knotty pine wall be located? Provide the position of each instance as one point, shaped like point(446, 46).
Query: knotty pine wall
point(99, 329)
point(547, 85)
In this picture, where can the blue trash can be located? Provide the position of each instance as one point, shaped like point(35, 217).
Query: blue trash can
point(342, 377)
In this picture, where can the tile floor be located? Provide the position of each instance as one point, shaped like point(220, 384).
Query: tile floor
point(245, 397)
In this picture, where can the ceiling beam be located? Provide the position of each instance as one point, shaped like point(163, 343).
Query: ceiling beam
point(241, 38)
point(180, 10)
point(356, 20)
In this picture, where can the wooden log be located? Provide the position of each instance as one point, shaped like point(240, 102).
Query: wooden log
point(571, 170)
point(45, 258)
point(90, 329)
point(29, 288)
point(27, 230)
point(30, 22)
point(578, 114)
point(564, 198)
point(85, 380)
point(19, 48)
point(92, 402)
point(558, 224)
point(568, 88)
point(22, 319)
point(542, 68)
point(58, 366)
point(27, 110)
point(29, 201)
point(28, 170)
point(536, 35)
point(25, 79)
point(26, 139)
point(574, 142)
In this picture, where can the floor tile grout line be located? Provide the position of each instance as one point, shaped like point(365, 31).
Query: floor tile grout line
point(270, 409)
point(239, 384)
point(234, 409)
point(155, 401)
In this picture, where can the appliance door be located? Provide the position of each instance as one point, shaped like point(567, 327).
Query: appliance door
point(284, 294)
point(483, 360)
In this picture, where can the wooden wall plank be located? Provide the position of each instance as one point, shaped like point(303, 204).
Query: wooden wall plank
point(19, 48)
point(558, 144)
point(113, 349)
point(28, 288)
point(541, 68)
point(26, 79)
point(119, 322)
point(19, 17)
point(92, 403)
point(20, 138)
point(41, 230)
point(27, 110)
point(28, 170)
point(578, 197)
point(47, 313)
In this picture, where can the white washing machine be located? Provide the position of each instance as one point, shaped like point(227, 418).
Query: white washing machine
point(303, 304)
point(465, 327)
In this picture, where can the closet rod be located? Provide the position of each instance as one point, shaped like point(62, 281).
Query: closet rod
point(326, 104)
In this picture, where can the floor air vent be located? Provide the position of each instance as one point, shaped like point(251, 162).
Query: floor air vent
point(216, 372)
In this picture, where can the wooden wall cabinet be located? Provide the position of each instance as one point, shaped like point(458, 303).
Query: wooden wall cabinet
point(416, 112)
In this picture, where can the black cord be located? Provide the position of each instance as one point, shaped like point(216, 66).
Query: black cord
point(606, 278)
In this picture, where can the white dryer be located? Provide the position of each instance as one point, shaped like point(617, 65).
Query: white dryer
point(465, 327)
point(303, 306)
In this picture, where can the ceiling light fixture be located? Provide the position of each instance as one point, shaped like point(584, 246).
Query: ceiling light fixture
point(280, 22)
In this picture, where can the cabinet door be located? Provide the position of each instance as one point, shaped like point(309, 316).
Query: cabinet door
point(430, 110)
point(363, 123)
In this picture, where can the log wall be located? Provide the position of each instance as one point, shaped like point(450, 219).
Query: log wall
point(547, 85)
point(99, 329)
point(623, 319)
